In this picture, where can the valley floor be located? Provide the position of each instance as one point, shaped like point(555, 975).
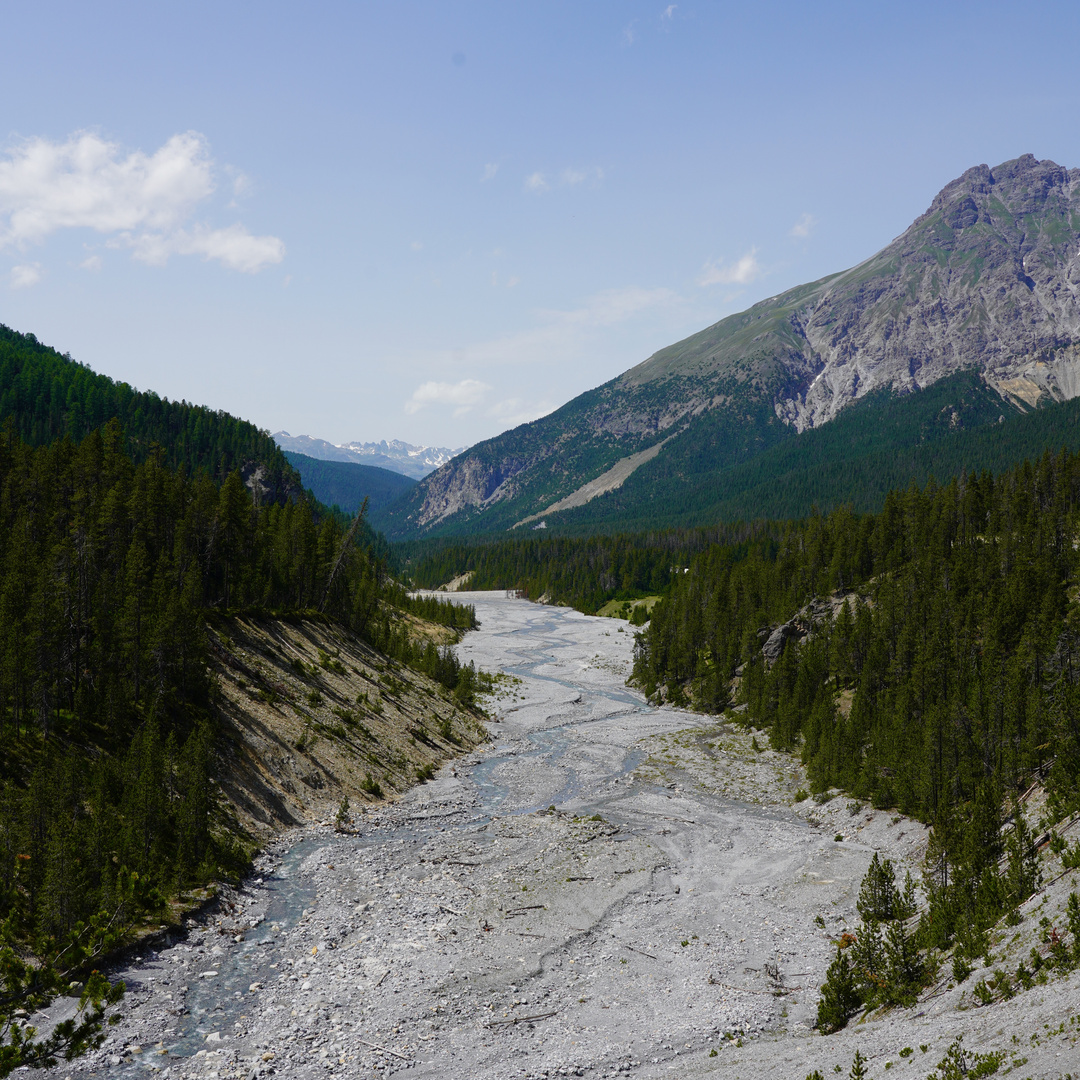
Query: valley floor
point(604, 889)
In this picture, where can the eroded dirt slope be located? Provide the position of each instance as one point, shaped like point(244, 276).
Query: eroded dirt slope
point(312, 714)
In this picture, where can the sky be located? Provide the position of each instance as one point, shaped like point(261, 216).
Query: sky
point(436, 221)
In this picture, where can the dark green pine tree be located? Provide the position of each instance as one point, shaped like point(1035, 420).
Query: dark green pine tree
point(840, 996)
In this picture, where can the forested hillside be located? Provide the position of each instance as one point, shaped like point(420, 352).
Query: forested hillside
point(122, 547)
point(109, 569)
point(347, 483)
point(926, 657)
point(880, 443)
point(45, 396)
point(581, 572)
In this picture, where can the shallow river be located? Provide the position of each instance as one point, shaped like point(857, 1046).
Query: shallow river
point(593, 892)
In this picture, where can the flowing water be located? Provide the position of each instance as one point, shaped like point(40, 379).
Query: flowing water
point(214, 1003)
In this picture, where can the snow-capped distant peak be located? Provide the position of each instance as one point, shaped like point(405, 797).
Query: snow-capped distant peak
point(398, 456)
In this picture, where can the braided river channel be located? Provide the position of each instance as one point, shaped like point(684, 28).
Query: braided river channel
point(602, 889)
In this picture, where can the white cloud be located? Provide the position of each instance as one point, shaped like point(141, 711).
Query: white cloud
point(524, 365)
point(234, 247)
point(92, 263)
point(490, 169)
point(560, 334)
point(614, 306)
point(669, 12)
point(241, 183)
point(22, 277)
point(803, 227)
point(464, 395)
point(513, 411)
point(571, 176)
point(416, 246)
point(512, 282)
point(741, 273)
point(628, 35)
point(141, 201)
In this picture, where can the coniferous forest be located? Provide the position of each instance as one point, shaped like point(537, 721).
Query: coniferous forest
point(116, 551)
point(111, 569)
point(926, 657)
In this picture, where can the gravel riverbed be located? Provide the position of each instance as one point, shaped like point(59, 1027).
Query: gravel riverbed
point(604, 889)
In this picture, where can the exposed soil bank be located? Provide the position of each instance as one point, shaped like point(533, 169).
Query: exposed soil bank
point(309, 713)
point(470, 932)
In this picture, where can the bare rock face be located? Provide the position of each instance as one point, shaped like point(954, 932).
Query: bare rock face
point(986, 279)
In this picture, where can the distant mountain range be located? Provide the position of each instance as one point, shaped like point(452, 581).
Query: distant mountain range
point(982, 288)
point(395, 455)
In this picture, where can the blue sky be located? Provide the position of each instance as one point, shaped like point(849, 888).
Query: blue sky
point(432, 221)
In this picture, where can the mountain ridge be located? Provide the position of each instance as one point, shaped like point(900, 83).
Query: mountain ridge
point(987, 278)
point(396, 456)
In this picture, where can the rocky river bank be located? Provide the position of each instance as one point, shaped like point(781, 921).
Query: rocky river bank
point(604, 889)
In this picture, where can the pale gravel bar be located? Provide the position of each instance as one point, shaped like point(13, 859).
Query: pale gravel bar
point(466, 932)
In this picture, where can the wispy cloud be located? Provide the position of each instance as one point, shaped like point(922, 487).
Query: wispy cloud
point(91, 263)
point(490, 169)
point(416, 245)
point(559, 334)
point(141, 201)
point(463, 395)
point(234, 247)
point(501, 369)
point(513, 411)
point(669, 12)
point(612, 306)
point(629, 35)
point(571, 176)
point(469, 394)
point(803, 227)
point(742, 272)
point(22, 277)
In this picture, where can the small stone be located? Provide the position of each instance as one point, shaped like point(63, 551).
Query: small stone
point(207, 974)
point(213, 1037)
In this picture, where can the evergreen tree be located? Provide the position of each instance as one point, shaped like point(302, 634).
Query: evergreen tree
point(839, 996)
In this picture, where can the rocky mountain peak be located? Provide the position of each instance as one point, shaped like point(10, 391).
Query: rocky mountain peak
point(988, 279)
point(1025, 184)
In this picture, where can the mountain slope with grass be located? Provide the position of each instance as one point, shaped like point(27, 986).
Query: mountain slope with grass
point(986, 280)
